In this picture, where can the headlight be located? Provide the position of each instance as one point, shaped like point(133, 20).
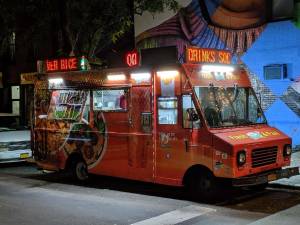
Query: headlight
point(287, 150)
point(241, 157)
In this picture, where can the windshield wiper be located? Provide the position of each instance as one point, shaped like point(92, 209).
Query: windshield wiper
point(245, 122)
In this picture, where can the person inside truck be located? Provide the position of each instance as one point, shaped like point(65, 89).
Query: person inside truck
point(123, 102)
point(225, 103)
point(211, 111)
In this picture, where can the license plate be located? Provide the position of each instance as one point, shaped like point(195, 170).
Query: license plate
point(24, 155)
point(272, 177)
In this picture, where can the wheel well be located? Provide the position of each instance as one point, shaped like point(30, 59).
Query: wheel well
point(193, 171)
point(74, 157)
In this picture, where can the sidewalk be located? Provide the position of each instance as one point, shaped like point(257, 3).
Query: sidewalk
point(286, 217)
point(289, 216)
point(295, 180)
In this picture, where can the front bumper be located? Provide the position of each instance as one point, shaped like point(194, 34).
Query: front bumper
point(265, 177)
point(15, 156)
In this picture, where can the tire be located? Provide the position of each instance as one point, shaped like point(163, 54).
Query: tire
point(202, 186)
point(79, 170)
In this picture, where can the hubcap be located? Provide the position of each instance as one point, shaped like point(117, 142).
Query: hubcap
point(81, 171)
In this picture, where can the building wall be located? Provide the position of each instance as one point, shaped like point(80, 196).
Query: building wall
point(256, 44)
point(279, 44)
point(147, 20)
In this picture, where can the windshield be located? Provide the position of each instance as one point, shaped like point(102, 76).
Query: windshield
point(231, 106)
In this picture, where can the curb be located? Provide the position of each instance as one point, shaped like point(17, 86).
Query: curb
point(284, 186)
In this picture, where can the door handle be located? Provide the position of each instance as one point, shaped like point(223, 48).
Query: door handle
point(186, 143)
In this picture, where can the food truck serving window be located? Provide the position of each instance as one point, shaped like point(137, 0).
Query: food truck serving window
point(167, 110)
point(110, 99)
point(231, 106)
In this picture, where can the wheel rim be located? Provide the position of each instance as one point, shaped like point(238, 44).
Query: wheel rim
point(205, 184)
point(81, 171)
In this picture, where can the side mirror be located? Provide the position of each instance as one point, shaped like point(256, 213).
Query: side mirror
point(192, 114)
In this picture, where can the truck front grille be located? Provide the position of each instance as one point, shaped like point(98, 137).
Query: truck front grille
point(264, 156)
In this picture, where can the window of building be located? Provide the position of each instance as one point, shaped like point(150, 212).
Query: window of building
point(15, 96)
point(110, 100)
point(282, 9)
point(275, 72)
point(167, 110)
point(12, 46)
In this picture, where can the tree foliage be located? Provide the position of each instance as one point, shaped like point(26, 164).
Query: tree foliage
point(72, 26)
point(154, 6)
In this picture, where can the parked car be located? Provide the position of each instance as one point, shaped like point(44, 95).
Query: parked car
point(14, 144)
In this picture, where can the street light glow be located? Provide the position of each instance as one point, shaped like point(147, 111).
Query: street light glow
point(140, 76)
point(167, 74)
point(55, 81)
point(115, 77)
point(217, 68)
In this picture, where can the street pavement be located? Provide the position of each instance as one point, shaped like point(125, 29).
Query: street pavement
point(28, 201)
point(290, 216)
point(29, 197)
point(286, 217)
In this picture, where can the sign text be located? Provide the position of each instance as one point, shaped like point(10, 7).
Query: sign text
point(205, 55)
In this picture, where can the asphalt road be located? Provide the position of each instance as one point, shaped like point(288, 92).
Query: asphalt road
point(28, 196)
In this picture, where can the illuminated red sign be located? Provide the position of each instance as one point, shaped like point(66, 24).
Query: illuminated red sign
point(65, 64)
point(206, 55)
point(132, 58)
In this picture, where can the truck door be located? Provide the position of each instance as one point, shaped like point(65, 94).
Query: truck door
point(173, 136)
point(111, 117)
point(140, 152)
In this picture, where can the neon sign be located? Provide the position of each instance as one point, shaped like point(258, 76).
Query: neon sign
point(65, 64)
point(132, 58)
point(206, 55)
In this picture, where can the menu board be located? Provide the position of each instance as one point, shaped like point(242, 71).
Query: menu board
point(67, 104)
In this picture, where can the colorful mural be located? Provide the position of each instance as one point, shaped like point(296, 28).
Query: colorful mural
point(60, 129)
point(241, 27)
point(188, 27)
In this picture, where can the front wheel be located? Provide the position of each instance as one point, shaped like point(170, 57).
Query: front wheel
point(79, 170)
point(202, 186)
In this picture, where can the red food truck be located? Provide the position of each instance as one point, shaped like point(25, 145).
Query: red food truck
point(188, 124)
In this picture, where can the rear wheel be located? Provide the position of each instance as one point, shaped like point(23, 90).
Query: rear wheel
point(79, 170)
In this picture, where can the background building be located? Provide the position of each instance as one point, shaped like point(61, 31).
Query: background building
point(262, 35)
